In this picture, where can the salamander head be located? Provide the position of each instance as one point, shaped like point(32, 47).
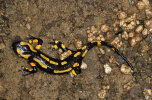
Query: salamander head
point(23, 49)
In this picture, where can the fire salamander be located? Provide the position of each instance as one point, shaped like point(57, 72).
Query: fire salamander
point(71, 64)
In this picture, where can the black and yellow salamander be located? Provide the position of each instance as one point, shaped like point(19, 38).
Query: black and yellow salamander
point(71, 64)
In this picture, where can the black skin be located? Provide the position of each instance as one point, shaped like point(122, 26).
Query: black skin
point(50, 68)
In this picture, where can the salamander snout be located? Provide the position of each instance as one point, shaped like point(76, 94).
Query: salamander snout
point(21, 49)
point(15, 46)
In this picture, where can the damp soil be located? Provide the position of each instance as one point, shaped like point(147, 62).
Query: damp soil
point(67, 20)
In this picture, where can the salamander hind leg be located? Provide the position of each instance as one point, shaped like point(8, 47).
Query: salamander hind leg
point(32, 40)
point(27, 71)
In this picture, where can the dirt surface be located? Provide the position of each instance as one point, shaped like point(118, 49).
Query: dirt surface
point(67, 20)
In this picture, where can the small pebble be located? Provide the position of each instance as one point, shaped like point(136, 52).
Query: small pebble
point(113, 60)
point(101, 50)
point(2, 45)
point(139, 29)
point(78, 44)
point(122, 23)
point(107, 69)
point(28, 19)
point(125, 69)
point(28, 26)
point(90, 35)
point(145, 32)
point(104, 28)
point(125, 35)
point(148, 25)
point(106, 87)
point(128, 86)
point(138, 38)
point(133, 42)
point(93, 29)
point(148, 92)
point(148, 13)
point(129, 27)
point(146, 2)
point(84, 65)
point(91, 38)
point(116, 23)
point(88, 31)
point(64, 55)
point(116, 29)
point(131, 34)
point(122, 15)
point(133, 23)
point(137, 22)
point(131, 18)
point(140, 5)
point(3, 34)
point(108, 36)
point(117, 42)
point(150, 31)
point(100, 38)
point(102, 94)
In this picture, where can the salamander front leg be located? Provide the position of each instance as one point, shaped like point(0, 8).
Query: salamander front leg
point(32, 40)
point(59, 45)
point(27, 71)
point(75, 70)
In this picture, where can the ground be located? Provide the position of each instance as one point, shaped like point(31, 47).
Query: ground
point(67, 20)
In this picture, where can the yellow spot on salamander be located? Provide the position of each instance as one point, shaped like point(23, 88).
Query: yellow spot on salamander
point(69, 51)
point(19, 51)
point(30, 41)
point(56, 41)
point(53, 62)
point(64, 62)
point(54, 46)
point(62, 71)
point(98, 42)
point(32, 64)
point(26, 56)
point(38, 47)
point(93, 41)
point(63, 46)
point(30, 70)
point(40, 63)
point(113, 49)
point(35, 41)
point(76, 65)
point(77, 54)
point(73, 72)
point(84, 47)
point(23, 43)
point(84, 53)
point(30, 46)
point(44, 57)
